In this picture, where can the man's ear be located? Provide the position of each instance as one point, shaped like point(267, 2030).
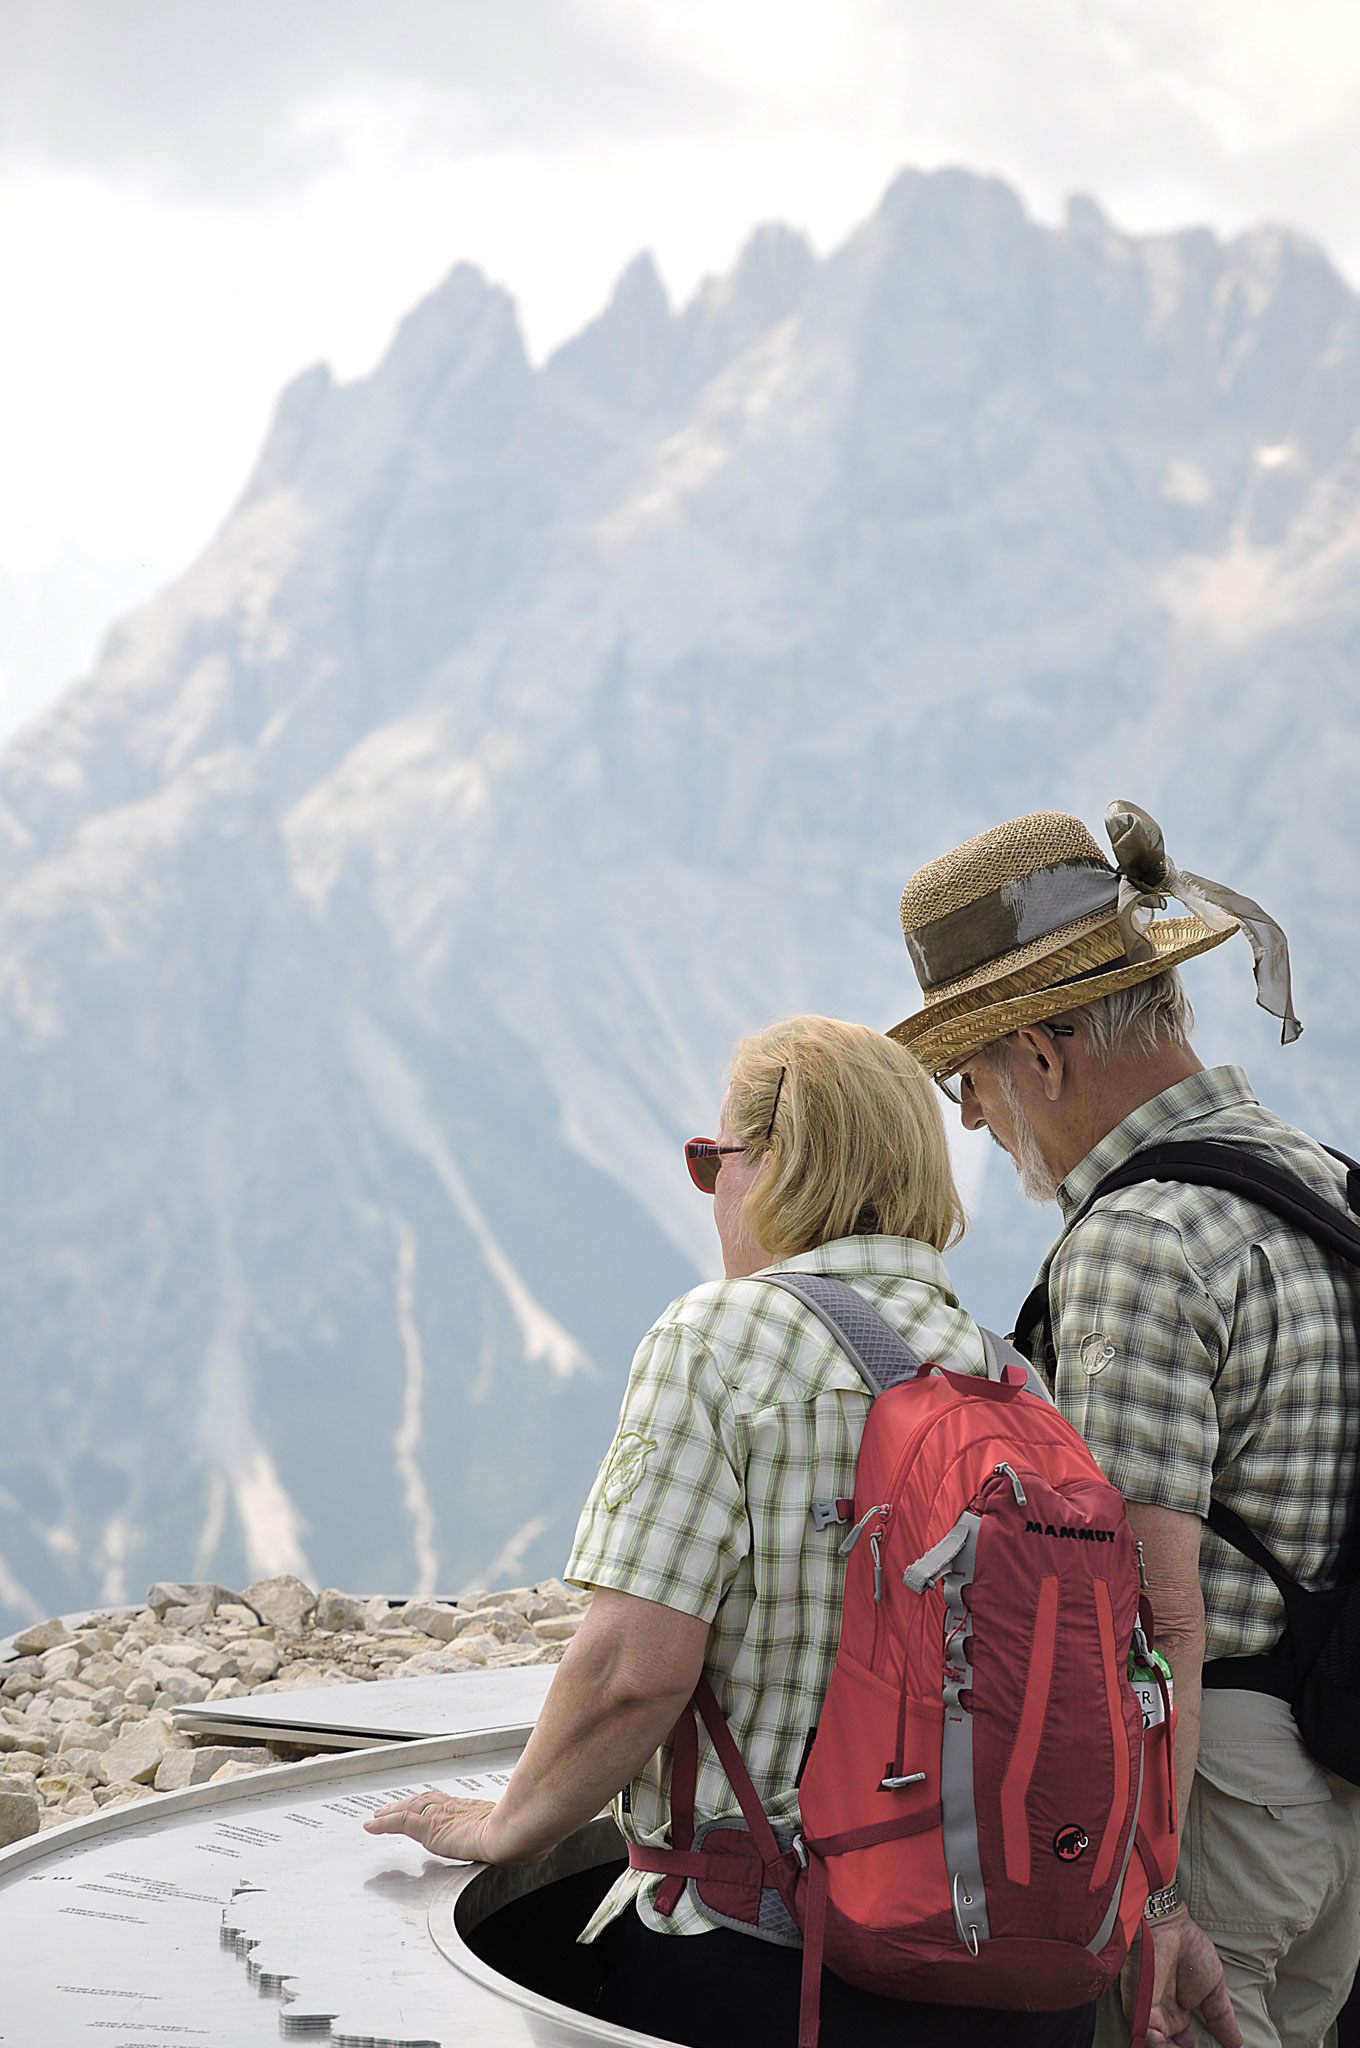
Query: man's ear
point(1045, 1056)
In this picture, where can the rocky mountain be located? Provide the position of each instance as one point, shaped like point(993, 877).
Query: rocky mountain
point(377, 917)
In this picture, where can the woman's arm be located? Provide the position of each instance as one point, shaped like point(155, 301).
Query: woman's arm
point(619, 1691)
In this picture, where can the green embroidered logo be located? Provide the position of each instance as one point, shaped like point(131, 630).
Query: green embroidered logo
point(624, 1470)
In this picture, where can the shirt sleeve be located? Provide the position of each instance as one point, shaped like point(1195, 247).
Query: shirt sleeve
point(666, 1517)
point(1140, 1342)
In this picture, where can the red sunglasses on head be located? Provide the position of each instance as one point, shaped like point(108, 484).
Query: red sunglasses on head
point(704, 1156)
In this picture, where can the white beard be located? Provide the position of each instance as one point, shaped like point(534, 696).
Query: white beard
point(1036, 1179)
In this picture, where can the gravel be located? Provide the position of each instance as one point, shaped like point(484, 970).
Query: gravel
point(85, 1711)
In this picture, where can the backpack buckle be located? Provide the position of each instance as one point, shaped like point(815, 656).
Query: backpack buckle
point(826, 1513)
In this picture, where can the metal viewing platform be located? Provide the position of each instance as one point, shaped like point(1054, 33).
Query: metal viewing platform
point(258, 1909)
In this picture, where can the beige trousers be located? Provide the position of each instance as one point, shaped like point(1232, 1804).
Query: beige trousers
point(1271, 1871)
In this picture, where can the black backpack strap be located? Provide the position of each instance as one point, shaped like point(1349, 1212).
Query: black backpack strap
point(1271, 1187)
point(1034, 1331)
point(1237, 1172)
point(1225, 1522)
point(873, 1347)
point(1252, 1178)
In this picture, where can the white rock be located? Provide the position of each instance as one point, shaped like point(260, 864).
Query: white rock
point(455, 1657)
point(557, 1628)
point(336, 1610)
point(376, 1612)
point(184, 1767)
point(43, 1635)
point(136, 1756)
point(167, 1593)
point(69, 1710)
point(23, 1763)
point(177, 1656)
point(258, 1661)
point(188, 1617)
point(76, 1736)
point(551, 1597)
point(431, 1618)
point(121, 1795)
point(185, 1688)
point(228, 1689)
point(20, 1812)
point(238, 1770)
point(477, 1648)
point(62, 1662)
point(141, 1690)
point(69, 1689)
point(232, 1612)
point(87, 1764)
point(16, 1738)
point(284, 1602)
point(503, 1622)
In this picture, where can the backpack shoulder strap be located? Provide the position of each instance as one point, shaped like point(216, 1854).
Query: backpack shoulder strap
point(878, 1354)
point(1237, 1172)
point(1254, 1179)
point(873, 1347)
point(1271, 1187)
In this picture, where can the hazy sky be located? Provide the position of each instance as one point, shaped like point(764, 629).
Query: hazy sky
point(199, 197)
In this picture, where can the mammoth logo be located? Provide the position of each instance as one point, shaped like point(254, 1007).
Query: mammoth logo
point(1070, 1842)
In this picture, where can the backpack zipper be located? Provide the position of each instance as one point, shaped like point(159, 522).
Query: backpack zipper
point(861, 1525)
point(883, 1509)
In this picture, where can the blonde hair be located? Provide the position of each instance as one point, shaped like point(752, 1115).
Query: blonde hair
point(857, 1146)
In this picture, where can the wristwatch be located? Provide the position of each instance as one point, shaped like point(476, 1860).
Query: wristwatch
point(1161, 1905)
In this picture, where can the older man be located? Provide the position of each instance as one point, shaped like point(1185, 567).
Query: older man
point(1206, 1349)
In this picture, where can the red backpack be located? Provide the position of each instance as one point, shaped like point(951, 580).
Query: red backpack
point(986, 1803)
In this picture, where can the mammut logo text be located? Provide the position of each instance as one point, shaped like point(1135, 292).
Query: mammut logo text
point(1081, 1533)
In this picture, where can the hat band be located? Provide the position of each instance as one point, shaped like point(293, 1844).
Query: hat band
point(1016, 914)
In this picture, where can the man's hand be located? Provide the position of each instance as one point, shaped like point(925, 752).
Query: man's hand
point(1187, 1976)
point(446, 1827)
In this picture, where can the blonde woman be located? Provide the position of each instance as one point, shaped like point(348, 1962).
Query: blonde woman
point(741, 1409)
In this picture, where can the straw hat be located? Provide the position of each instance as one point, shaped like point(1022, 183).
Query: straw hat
point(1030, 919)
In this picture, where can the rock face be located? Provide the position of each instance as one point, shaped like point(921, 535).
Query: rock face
point(70, 1746)
point(375, 922)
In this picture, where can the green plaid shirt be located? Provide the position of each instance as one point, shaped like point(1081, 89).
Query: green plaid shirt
point(1204, 1345)
point(742, 1410)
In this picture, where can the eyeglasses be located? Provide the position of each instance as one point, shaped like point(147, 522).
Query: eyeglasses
point(957, 1086)
point(704, 1156)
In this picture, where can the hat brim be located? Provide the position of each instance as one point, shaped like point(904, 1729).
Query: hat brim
point(942, 1044)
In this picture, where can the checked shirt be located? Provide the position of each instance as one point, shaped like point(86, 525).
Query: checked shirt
point(741, 1410)
point(1203, 1345)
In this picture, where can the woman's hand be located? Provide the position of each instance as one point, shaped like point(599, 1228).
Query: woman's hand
point(446, 1827)
point(624, 1679)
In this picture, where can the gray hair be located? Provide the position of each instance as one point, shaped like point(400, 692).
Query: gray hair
point(1152, 1013)
point(1140, 1019)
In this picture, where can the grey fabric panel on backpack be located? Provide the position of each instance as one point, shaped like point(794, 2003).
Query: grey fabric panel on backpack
point(776, 1924)
point(873, 1347)
point(963, 1857)
point(1000, 1354)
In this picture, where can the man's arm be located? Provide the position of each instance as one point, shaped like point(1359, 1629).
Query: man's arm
point(1187, 1972)
point(619, 1690)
